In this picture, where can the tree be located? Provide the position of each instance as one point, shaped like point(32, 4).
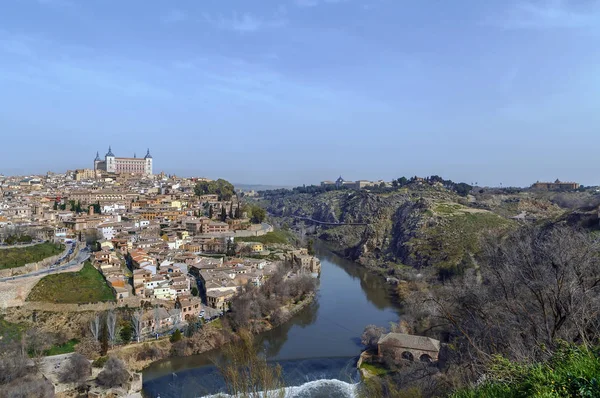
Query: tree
point(136, 324)
point(95, 327)
point(534, 288)
point(126, 333)
point(76, 370)
point(194, 291)
point(104, 339)
point(371, 336)
point(402, 181)
point(111, 323)
point(310, 248)
point(224, 189)
point(210, 212)
point(176, 336)
point(114, 373)
point(258, 214)
point(238, 211)
point(191, 328)
point(231, 210)
point(246, 372)
point(223, 214)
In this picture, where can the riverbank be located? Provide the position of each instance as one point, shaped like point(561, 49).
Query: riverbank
point(139, 356)
point(317, 348)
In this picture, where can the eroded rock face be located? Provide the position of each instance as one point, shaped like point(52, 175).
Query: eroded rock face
point(418, 229)
point(391, 220)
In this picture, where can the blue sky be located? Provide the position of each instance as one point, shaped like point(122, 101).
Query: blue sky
point(297, 91)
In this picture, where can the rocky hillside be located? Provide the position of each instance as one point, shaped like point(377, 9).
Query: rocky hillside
point(426, 227)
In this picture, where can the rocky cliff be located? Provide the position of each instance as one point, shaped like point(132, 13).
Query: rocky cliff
point(417, 228)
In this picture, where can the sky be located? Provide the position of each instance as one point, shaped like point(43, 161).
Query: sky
point(292, 92)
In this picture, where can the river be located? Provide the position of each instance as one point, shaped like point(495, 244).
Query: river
point(317, 349)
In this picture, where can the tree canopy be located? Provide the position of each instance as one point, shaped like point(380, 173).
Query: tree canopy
point(223, 188)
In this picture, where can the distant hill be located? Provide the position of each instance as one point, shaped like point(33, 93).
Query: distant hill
point(260, 187)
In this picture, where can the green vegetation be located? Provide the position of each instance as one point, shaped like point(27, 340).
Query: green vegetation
point(99, 362)
point(256, 213)
point(571, 372)
point(9, 332)
point(176, 336)
point(65, 348)
point(14, 239)
point(85, 286)
point(374, 369)
point(20, 256)
point(450, 244)
point(279, 236)
point(220, 187)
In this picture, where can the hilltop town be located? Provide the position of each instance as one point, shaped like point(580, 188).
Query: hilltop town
point(173, 253)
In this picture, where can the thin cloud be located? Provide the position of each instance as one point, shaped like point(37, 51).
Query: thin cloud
point(39, 61)
point(244, 23)
point(174, 16)
point(314, 3)
point(547, 14)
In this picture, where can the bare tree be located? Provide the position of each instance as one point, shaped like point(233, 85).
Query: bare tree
point(247, 373)
point(13, 366)
point(111, 323)
point(535, 287)
point(76, 370)
point(114, 373)
point(156, 319)
point(136, 324)
point(95, 326)
point(371, 336)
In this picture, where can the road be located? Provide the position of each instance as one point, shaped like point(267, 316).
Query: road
point(83, 255)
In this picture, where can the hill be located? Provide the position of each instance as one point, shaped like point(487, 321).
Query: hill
point(419, 226)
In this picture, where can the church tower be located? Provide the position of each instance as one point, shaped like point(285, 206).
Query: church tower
point(148, 159)
point(97, 161)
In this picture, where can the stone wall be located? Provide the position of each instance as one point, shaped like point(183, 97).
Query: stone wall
point(32, 267)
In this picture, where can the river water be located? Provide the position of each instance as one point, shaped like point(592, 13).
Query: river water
point(317, 349)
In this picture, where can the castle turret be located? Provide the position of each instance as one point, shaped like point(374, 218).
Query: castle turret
point(111, 164)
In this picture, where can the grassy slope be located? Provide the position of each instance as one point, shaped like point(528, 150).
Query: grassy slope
point(66, 348)
point(456, 235)
point(279, 236)
point(85, 286)
point(571, 372)
point(9, 332)
point(17, 257)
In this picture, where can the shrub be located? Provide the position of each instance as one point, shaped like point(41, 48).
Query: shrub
point(176, 336)
point(76, 370)
point(100, 362)
point(114, 373)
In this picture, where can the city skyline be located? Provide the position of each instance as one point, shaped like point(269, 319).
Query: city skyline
point(293, 92)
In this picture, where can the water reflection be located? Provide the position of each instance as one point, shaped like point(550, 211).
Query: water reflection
point(349, 298)
point(372, 285)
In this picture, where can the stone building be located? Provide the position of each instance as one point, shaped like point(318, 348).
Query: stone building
point(409, 347)
point(556, 186)
point(134, 165)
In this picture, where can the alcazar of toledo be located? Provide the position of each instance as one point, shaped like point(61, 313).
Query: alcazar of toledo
point(134, 165)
